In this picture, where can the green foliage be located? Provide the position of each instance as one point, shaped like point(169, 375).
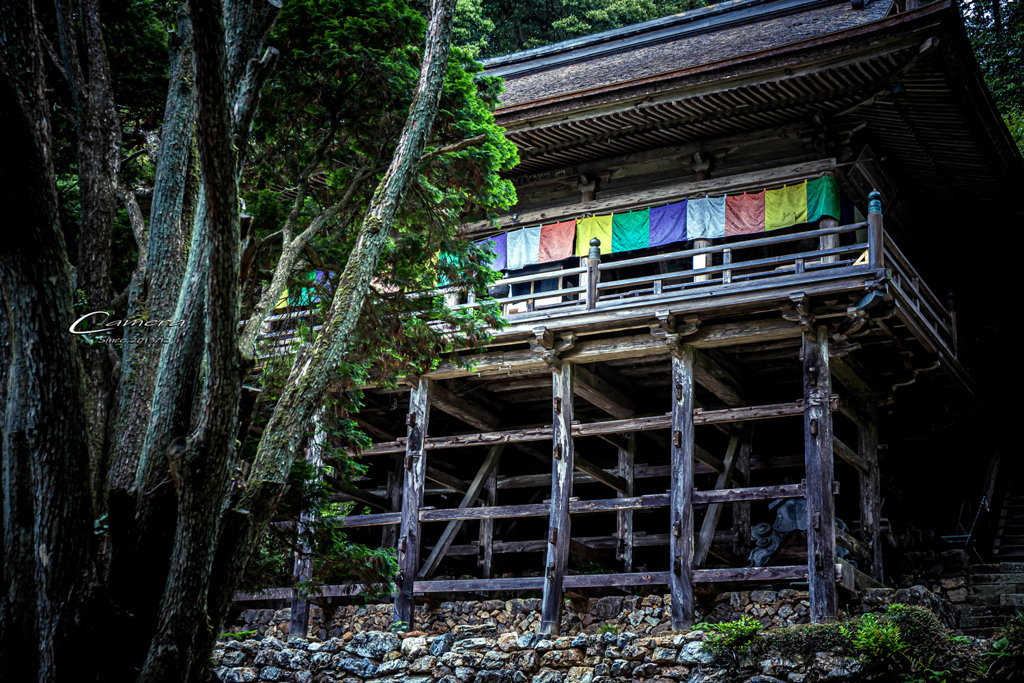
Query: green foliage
point(240, 635)
point(877, 639)
point(608, 628)
point(1005, 661)
point(532, 23)
point(806, 639)
point(996, 30)
point(735, 636)
point(919, 630)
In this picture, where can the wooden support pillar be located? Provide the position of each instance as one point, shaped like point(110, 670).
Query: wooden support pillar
point(828, 241)
point(681, 498)
point(485, 549)
point(871, 495)
point(624, 545)
point(741, 511)
point(393, 492)
point(701, 260)
point(557, 556)
point(414, 475)
point(821, 518)
point(299, 619)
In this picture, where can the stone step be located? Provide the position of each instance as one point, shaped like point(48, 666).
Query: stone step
point(998, 588)
point(992, 610)
point(991, 579)
point(994, 621)
point(1015, 599)
point(998, 568)
point(983, 599)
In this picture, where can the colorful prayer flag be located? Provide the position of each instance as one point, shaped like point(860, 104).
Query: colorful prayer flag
point(705, 218)
point(556, 240)
point(631, 230)
point(823, 199)
point(668, 224)
point(785, 207)
point(744, 214)
point(499, 246)
point(589, 228)
point(523, 248)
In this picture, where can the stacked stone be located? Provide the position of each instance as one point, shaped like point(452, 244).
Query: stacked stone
point(647, 615)
point(469, 657)
point(782, 608)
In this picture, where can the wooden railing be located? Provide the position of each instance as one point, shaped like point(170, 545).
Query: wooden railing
point(733, 266)
point(909, 286)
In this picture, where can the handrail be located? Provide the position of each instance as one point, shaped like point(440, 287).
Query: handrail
point(581, 288)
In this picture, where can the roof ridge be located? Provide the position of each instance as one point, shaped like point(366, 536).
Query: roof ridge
point(654, 31)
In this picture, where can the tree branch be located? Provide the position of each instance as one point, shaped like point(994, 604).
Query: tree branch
point(289, 251)
point(454, 147)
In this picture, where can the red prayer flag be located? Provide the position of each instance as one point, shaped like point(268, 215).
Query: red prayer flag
point(556, 241)
point(744, 214)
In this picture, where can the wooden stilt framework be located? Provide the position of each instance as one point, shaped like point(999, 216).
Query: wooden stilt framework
point(699, 377)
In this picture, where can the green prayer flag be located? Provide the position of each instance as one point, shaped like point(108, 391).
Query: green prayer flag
point(823, 199)
point(631, 230)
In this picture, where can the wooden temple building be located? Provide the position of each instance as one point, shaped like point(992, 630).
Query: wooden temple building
point(699, 402)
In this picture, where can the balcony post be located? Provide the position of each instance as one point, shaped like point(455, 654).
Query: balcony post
point(593, 273)
point(702, 260)
point(876, 258)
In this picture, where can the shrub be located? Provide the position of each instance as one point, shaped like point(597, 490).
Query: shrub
point(1005, 661)
point(735, 636)
point(878, 639)
point(920, 630)
point(807, 639)
point(608, 628)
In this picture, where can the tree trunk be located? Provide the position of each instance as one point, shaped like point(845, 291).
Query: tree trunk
point(48, 547)
point(307, 382)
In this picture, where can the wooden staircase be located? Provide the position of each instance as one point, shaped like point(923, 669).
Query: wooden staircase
point(1008, 545)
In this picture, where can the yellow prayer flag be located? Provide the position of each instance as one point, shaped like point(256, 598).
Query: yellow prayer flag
point(283, 301)
point(785, 207)
point(589, 228)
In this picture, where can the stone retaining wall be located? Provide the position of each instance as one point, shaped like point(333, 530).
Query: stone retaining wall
point(643, 616)
point(469, 657)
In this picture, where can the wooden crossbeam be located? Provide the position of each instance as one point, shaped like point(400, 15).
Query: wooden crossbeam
point(445, 479)
point(710, 374)
point(458, 407)
point(358, 494)
point(372, 429)
point(849, 455)
point(604, 476)
point(635, 424)
point(603, 394)
point(476, 487)
point(598, 350)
